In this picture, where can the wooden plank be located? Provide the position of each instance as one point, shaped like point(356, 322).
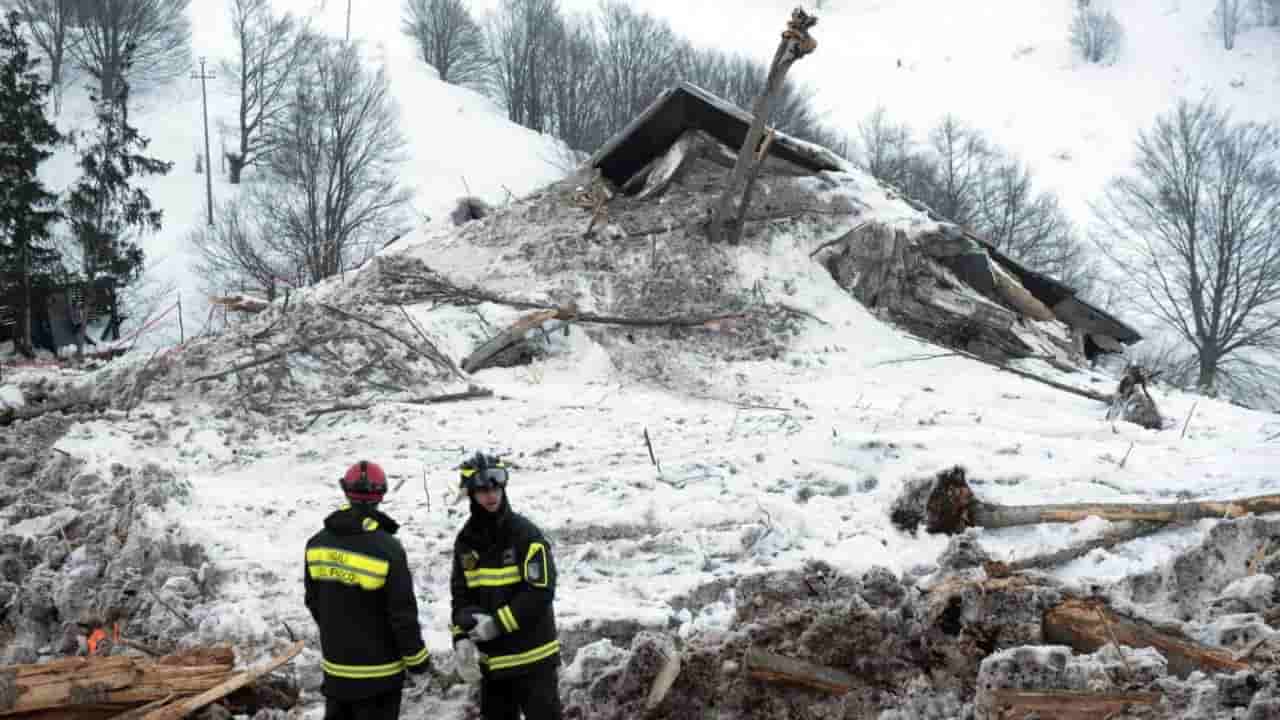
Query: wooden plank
point(42, 691)
point(184, 707)
point(1066, 704)
point(1087, 625)
point(762, 665)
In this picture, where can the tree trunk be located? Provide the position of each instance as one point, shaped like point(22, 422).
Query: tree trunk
point(235, 164)
point(1208, 375)
point(23, 343)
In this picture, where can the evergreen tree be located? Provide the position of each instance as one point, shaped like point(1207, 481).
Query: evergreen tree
point(105, 211)
point(27, 209)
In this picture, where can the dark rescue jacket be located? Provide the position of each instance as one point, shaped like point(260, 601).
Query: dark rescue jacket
point(360, 592)
point(502, 566)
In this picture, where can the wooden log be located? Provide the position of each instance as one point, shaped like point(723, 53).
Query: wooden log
point(186, 706)
point(88, 685)
point(1087, 625)
point(1065, 704)
point(951, 507)
point(663, 681)
point(726, 217)
point(762, 665)
point(1067, 554)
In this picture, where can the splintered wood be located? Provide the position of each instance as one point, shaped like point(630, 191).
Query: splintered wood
point(126, 686)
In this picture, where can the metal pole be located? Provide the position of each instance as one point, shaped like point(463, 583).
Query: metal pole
point(348, 20)
point(208, 175)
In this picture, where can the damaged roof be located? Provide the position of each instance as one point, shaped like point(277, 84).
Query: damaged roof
point(688, 107)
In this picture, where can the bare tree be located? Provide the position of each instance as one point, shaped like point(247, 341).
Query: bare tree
point(1228, 19)
point(739, 79)
point(1029, 226)
point(638, 56)
point(520, 35)
point(50, 23)
point(963, 160)
point(884, 146)
point(272, 49)
point(577, 115)
point(449, 39)
point(149, 38)
point(1095, 34)
point(1195, 230)
point(331, 195)
point(233, 253)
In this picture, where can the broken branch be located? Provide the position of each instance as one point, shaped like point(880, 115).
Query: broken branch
point(298, 347)
point(432, 354)
point(471, 393)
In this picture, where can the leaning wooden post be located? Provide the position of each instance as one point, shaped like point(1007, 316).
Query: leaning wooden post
point(726, 218)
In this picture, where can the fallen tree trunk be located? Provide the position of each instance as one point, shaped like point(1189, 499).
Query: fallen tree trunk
point(1066, 555)
point(762, 665)
point(951, 507)
point(1087, 625)
point(1065, 704)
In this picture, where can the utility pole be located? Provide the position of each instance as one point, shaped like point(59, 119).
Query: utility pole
point(202, 76)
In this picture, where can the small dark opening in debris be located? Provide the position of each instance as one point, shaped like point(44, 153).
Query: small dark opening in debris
point(469, 208)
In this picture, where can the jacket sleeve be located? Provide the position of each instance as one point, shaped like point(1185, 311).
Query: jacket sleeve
point(308, 587)
point(537, 586)
point(458, 596)
point(402, 610)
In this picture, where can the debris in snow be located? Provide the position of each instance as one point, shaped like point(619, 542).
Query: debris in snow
point(1133, 402)
point(950, 506)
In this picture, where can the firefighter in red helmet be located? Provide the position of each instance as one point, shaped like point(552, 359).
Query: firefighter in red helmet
point(360, 592)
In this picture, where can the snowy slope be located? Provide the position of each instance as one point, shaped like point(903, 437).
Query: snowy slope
point(458, 141)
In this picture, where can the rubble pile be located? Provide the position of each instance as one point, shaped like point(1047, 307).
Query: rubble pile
point(80, 552)
point(956, 643)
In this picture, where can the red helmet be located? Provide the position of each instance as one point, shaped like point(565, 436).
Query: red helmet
point(364, 482)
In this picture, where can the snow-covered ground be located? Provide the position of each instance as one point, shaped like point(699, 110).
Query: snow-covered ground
point(804, 470)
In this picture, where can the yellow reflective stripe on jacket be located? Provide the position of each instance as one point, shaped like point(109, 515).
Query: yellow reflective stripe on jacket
point(346, 576)
point(417, 658)
point(492, 577)
point(502, 662)
point(368, 573)
point(346, 558)
point(508, 619)
point(363, 672)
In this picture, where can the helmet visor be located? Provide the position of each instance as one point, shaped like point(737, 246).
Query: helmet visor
point(483, 479)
